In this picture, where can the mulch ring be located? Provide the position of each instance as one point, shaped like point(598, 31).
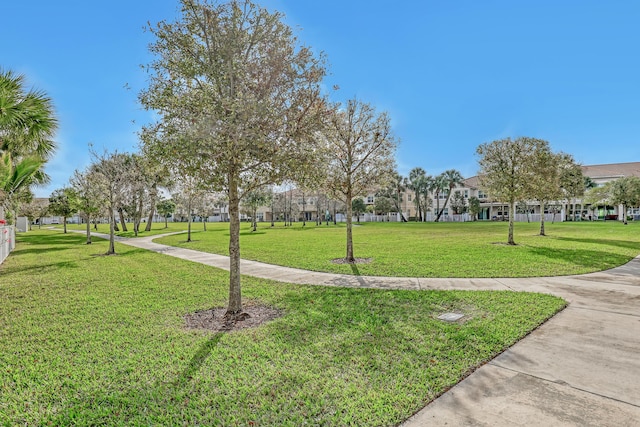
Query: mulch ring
point(213, 319)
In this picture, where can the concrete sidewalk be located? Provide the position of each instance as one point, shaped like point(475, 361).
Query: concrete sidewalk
point(581, 368)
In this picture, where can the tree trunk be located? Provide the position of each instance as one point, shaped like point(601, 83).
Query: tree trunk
point(304, 211)
point(624, 214)
point(64, 224)
point(335, 221)
point(152, 207)
point(444, 206)
point(136, 220)
point(88, 231)
point(235, 293)
point(349, 257)
point(273, 214)
point(254, 223)
point(112, 233)
point(512, 209)
point(189, 222)
point(204, 223)
point(542, 218)
point(150, 219)
point(122, 221)
point(437, 206)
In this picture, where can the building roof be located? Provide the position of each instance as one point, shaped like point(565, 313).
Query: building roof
point(472, 182)
point(611, 170)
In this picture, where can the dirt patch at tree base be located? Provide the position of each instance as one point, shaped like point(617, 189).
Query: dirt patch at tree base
point(357, 261)
point(213, 319)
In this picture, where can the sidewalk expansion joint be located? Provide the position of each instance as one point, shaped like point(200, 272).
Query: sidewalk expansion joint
point(564, 383)
point(605, 311)
point(505, 285)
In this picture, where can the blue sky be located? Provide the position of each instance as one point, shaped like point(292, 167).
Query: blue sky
point(452, 74)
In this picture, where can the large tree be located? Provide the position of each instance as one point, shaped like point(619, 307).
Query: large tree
point(625, 191)
point(506, 170)
point(188, 191)
point(166, 207)
point(572, 182)
point(90, 199)
point(543, 184)
point(234, 90)
point(63, 202)
point(109, 171)
point(362, 149)
point(254, 200)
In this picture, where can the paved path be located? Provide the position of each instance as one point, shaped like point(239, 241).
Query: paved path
point(581, 368)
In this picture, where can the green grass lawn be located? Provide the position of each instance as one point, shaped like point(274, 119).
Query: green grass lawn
point(92, 340)
point(473, 249)
point(156, 228)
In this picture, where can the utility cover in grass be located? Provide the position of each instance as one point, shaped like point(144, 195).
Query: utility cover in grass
point(451, 317)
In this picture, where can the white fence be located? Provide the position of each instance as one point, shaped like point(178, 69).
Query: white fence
point(559, 217)
point(465, 217)
point(7, 241)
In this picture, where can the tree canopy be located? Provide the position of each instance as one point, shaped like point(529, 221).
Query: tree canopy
point(362, 156)
point(238, 95)
point(506, 170)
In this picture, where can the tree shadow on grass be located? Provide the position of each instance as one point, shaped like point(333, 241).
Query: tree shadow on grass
point(594, 260)
point(151, 402)
point(51, 240)
point(252, 233)
point(354, 269)
point(36, 251)
point(9, 269)
point(608, 242)
point(197, 360)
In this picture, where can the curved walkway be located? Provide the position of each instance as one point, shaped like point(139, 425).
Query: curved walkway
point(581, 368)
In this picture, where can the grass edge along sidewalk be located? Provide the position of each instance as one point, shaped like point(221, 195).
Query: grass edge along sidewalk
point(439, 250)
point(92, 340)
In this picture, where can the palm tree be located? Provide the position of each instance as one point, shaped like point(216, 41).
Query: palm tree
point(27, 119)
point(437, 186)
point(15, 176)
point(420, 183)
point(27, 124)
point(399, 188)
point(447, 179)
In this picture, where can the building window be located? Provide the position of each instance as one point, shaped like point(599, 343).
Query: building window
point(482, 194)
point(466, 194)
point(408, 197)
point(370, 200)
